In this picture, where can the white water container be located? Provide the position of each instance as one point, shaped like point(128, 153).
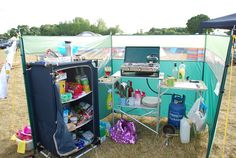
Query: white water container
point(184, 130)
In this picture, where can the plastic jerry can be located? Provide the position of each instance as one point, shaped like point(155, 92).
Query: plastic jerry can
point(184, 130)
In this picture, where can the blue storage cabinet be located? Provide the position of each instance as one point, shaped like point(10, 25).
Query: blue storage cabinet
point(49, 129)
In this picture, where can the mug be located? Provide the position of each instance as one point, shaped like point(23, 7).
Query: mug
point(170, 81)
point(123, 101)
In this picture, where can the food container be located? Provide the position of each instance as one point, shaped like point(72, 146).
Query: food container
point(150, 101)
point(62, 85)
point(28, 144)
point(73, 119)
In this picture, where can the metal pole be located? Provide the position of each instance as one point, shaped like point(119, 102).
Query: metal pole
point(204, 58)
point(158, 105)
point(138, 121)
point(27, 90)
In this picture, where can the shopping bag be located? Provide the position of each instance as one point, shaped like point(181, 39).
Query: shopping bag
point(198, 114)
point(124, 132)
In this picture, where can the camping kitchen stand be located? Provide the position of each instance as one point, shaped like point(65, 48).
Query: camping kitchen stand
point(184, 85)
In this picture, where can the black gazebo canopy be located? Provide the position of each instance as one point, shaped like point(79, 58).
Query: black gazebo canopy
point(224, 22)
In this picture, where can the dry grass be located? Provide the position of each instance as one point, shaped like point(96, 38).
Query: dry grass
point(151, 145)
point(14, 115)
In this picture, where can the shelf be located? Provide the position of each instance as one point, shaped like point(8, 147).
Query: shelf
point(186, 85)
point(81, 96)
point(108, 80)
point(137, 107)
point(82, 124)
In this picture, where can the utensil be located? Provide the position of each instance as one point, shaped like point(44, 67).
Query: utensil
point(169, 131)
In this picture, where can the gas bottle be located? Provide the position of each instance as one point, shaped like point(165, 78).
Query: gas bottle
point(184, 130)
point(176, 110)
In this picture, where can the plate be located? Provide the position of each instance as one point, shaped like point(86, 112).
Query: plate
point(150, 101)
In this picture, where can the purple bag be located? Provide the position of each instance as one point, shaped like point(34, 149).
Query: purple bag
point(124, 132)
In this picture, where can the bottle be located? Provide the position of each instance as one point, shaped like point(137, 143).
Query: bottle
point(130, 89)
point(85, 83)
point(65, 115)
point(181, 74)
point(109, 100)
point(175, 71)
point(137, 96)
point(77, 77)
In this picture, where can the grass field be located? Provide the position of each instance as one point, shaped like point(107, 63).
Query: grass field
point(14, 115)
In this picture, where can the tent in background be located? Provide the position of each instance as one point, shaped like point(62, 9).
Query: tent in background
point(224, 22)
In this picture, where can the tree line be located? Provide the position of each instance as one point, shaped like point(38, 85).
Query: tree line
point(79, 25)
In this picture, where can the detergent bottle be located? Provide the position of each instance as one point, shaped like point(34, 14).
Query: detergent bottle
point(175, 71)
point(109, 100)
point(181, 74)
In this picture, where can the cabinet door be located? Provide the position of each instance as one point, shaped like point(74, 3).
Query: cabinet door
point(43, 105)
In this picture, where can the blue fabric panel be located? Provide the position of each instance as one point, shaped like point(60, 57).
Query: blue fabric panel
point(64, 141)
point(44, 119)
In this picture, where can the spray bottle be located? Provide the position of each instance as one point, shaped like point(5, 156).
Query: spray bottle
point(109, 100)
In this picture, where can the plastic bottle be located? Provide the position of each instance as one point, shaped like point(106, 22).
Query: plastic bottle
point(181, 74)
point(78, 77)
point(184, 130)
point(65, 115)
point(137, 96)
point(175, 71)
point(85, 83)
point(130, 89)
point(109, 100)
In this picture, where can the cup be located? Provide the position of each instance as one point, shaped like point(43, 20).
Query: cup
point(170, 81)
point(123, 101)
point(130, 101)
point(107, 70)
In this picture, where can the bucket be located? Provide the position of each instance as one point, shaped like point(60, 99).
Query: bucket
point(176, 110)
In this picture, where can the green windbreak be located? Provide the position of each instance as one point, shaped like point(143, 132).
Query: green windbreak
point(216, 51)
point(210, 98)
point(172, 47)
point(217, 48)
point(91, 48)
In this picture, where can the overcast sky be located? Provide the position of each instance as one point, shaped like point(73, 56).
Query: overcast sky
point(130, 15)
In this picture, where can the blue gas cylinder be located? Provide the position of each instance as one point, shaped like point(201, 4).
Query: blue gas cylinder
point(176, 110)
